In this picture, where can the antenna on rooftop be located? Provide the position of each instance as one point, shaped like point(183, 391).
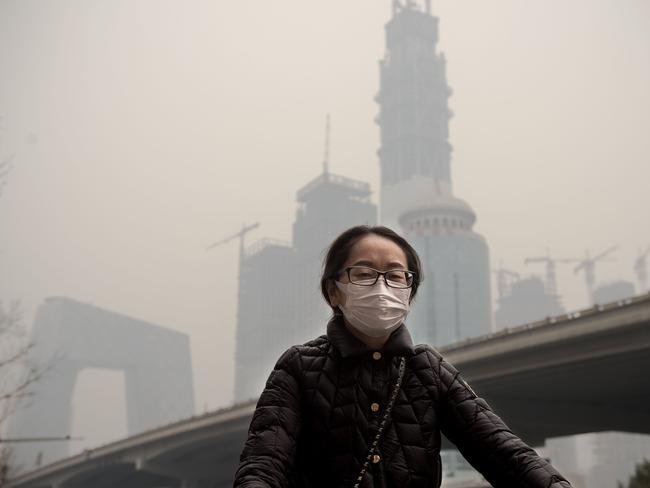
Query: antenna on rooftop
point(427, 6)
point(326, 156)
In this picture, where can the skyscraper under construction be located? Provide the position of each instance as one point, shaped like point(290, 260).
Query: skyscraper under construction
point(416, 188)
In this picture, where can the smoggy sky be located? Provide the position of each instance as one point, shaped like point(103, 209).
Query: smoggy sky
point(142, 131)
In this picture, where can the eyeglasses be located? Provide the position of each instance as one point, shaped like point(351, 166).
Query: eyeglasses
point(365, 276)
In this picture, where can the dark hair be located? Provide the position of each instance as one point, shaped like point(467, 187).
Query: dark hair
point(339, 252)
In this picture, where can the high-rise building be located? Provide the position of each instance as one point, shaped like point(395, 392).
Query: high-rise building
point(416, 187)
point(72, 337)
point(265, 323)
point(613, 291)
point(280, 303)
point(528, 300)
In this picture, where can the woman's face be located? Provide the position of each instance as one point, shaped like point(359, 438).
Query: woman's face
point(374, 251)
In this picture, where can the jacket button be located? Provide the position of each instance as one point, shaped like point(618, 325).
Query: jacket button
point(376, 458)
point(374, 407)
point(376, 355)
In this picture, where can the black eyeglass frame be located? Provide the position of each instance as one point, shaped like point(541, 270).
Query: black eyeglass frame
point(411, 275)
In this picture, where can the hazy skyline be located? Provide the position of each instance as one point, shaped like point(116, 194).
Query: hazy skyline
point(143, 131)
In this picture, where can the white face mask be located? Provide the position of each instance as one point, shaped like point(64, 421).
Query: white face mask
point(374, 310)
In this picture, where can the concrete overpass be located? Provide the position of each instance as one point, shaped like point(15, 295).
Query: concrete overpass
point(581, 372)
point(576, 373)
point(194, 453)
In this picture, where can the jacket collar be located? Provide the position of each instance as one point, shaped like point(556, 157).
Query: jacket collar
point(398, 344)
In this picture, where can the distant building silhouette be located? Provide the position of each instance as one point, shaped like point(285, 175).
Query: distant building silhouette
point(156, 362)
point(265, 313)
point(527, 301)
point(613, 292)
point(416, 190)
point(279, 293)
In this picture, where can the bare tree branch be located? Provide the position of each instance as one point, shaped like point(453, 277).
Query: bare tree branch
point(18, 372)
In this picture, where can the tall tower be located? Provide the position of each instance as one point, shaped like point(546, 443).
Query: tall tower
point(416, 188)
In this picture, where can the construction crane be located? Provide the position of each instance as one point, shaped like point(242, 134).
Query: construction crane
point(505, 277)
point(551, 278)
point(641, 269)
point(588, 265)
point(244, 230)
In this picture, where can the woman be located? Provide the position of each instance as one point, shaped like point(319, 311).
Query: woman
point(362, 406)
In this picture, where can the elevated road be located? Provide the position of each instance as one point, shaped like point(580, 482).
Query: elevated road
point(577, 373)
point(580, 372)
point(194, 453)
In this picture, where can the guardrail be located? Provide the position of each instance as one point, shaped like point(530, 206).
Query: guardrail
point(556, 320)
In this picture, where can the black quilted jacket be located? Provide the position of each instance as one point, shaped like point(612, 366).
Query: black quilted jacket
point(323, 403)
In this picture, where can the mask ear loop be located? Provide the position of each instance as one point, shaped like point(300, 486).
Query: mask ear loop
point(331, 287)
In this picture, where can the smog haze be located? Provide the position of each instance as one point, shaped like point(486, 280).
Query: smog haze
point(143, 131)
